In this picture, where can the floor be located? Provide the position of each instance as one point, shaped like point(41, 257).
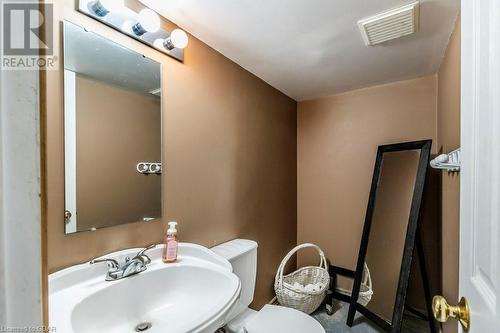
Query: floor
point(336, 322)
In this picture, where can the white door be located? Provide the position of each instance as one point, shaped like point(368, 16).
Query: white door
point(480, 173)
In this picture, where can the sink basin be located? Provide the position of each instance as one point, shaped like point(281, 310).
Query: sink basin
point(196, 294)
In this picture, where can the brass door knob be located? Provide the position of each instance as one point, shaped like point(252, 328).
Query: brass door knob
point(442, 311)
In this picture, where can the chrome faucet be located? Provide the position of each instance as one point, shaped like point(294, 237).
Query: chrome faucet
point(130, 267)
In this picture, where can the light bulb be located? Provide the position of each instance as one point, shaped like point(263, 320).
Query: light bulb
point(177, 39)
point(158, 43)
point(149, 21)
point(127, 26)
point(103, 7)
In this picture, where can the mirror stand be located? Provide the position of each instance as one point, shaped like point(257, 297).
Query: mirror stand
point(336, 271)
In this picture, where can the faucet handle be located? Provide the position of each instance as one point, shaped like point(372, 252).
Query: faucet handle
point(112, 263)
point(142, 253)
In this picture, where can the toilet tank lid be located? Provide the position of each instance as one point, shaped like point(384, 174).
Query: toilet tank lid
point(235, 248)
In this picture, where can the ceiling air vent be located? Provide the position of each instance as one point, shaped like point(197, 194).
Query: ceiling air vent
point(392, 24)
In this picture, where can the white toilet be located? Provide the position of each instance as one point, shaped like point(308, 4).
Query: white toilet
point(242, 254)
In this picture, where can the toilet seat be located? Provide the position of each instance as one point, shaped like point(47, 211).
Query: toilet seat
point(280, 319)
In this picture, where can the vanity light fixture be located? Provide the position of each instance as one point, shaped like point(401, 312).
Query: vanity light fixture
point(149, 21)
point(144, 25)
point(102, 7)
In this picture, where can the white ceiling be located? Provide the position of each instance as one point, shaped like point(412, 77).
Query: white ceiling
point(313, 48)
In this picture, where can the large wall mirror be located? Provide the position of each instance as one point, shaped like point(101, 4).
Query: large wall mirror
point(112, 133)
point(390, 235)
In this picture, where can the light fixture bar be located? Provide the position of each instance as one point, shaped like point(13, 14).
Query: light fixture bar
point(144, 26)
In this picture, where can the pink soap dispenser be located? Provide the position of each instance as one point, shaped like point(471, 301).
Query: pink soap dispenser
point(170, 244)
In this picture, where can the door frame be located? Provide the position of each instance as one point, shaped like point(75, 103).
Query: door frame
point(20, 200)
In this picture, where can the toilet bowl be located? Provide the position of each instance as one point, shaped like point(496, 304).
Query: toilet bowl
point(242, 254)
point(274, 319)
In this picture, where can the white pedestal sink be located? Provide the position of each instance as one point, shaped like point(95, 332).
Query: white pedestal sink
point(196, 294)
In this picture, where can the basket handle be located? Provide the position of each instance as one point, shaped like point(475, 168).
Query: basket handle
point(367, 279)
point(281, 268)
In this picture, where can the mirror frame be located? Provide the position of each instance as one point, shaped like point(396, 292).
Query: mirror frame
point(411, 234)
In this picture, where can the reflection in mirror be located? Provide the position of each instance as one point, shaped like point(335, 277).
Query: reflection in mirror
point(388, 229)
point(112, 124)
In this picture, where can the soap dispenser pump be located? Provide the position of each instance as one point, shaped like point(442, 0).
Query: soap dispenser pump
point(170, 244)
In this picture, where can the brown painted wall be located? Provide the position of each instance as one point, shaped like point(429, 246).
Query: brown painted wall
point(337, 143)
point(116, 129)
point(449, 139)
point(430, 223)
point(229, 150)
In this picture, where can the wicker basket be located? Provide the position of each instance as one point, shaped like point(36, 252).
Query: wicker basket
point(365, 290)
point(291, 295)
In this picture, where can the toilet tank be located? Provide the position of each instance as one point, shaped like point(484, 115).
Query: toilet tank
point(242, 254)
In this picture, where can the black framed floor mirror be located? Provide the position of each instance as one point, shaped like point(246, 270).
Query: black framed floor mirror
point(391, 234)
